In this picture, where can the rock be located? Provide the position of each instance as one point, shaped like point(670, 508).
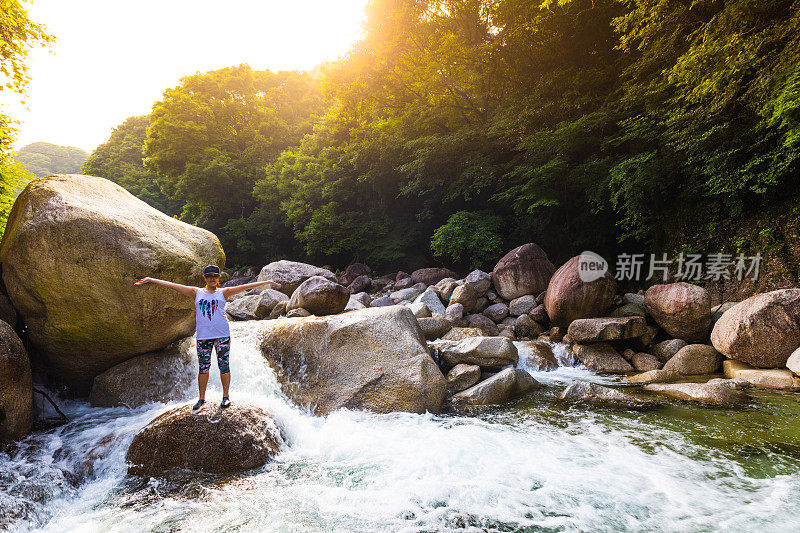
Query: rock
point(523, 270)
point(408, 295)
point(700, 392)
point(419, 309)
point(354, 305)
point(290, 274)
point(420, 287)
point(569, 298)
point(734, 383)
point(486, 352)
point(454, 312)
point(601, 357)
point(353, 272)
point(761, 331)
point(379, 284)
point(507, 332)
point(539, 314)
point(537, 355)
point(647, 338)
point(360, 284)
point(269, 299)
point(628, 354)
point(7, 312)
point(502, 387)
point(484, 324)
point(446, 288)
point(241, 277)
point(694, 359)
point(632, 298)
point(496, 312)
point(243, 308)
point(481, 304)
point(431, 299)
point(491, 296)
point(297, 313)
point(363, 298)
point(654, 376)
point(582, 391)
point(606, 329)
point(211, 439)
point(630, 310)
point(383, 301)
point(72, 249)
point(718, 311)
point(462, 377)
point(404, 283)
point(644, 362)
point(522, 305)
point(457, 334)
point(168, 375)
point(479, 281)
point(319, 296)
point(666, 349)
point(278, 310)
point(374, 359)
point(773, 378)
point(556, 333)
point(16, 387)
point(681, 309)
point(466, 296)
point(402, 275)
point(525, 326)
point(793, 363)
point(434, 328)
point(431, 276)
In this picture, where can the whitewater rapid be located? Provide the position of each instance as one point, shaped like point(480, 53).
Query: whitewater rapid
point(533, 465)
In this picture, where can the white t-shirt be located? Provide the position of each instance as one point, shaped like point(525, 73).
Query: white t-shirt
point(210, 315)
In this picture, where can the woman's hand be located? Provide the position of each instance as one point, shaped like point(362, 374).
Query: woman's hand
point(142, 281)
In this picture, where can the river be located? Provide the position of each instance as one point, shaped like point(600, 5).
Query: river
point(533, 465)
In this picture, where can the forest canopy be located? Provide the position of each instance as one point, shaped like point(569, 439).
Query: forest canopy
point(456, 129)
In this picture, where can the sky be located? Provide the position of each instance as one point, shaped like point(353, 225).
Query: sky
point(114, 59)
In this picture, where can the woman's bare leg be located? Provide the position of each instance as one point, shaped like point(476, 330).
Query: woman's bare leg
point(202, 383)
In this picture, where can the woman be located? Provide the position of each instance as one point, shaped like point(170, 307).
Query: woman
point(212, 325)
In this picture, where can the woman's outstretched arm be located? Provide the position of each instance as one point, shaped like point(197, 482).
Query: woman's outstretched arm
point(183, 289)
point(227, 292)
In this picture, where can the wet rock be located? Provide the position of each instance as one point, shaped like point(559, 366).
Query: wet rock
point(290, 274)
point(431, 276)
point(485, 324)
point(486, 352)
point(695, 359)
point(773, 378)
point(704, 393)
point(462, 377)
point(523, 270)
point(681, 309)
point(319, 297)
point(606, 329)
point(666, 349)
point(374, 359)
point(434, 328)
point(537, 355)
point(556, 333)
point(601, 357)
point(457, 334)
point(500, 388)
point(72, 249)
point(761, 331)
point(496, 312)
point(479, 280)
point(16, 387)
point(582, 391)
point(644, 362)
point(211, 439)
point(353, 272)
point(168, 375)
point(734, 383)
point(466, 296)
point(569, 298)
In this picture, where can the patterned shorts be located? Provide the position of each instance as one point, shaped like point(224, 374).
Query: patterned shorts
point(223, 347)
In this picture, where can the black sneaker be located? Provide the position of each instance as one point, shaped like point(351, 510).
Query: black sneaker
point(225, 402)
point(198, 405)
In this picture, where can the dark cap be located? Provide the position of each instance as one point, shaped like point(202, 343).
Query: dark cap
point(211, 269)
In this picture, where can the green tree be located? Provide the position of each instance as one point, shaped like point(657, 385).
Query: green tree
point(43, 158)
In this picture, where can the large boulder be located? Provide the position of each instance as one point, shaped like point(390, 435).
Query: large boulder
point(761, 331)
point(212, 439)
point(356, 270)
point(709, 394)
point(464, 295)
point(255, 306)
point(374, 359)
point(290, 274)
point(434, 327)
point(462, 377)
point(16, 388)
point(479, 280)
point(601, 357)
point(486, 352)
point(72, 249)
point(506, 385)
point(432, 276)
point(583, 391)
point(681, 309)
point(319, 296)
point(771, 378)
point(694, 359)
point(536, 355)
point(606, 329)
point(7, 312)
point(569, 298)
point(523, 270)
point(167, 375)
point(664, 350)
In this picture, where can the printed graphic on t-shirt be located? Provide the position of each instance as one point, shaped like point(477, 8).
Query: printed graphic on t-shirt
point(208, 307)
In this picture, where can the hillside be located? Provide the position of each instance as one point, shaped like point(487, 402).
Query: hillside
point(43, 158)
